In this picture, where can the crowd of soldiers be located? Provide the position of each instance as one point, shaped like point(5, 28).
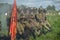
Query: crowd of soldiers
point(31, 23)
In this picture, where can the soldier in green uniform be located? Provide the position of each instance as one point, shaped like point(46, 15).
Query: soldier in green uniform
point(20, 28)
point(41, 18)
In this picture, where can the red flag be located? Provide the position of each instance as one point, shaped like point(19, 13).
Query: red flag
point(13, 22)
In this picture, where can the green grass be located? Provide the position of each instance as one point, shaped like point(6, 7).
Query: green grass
point(55, 33)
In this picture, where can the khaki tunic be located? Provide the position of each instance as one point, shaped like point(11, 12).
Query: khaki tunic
point(20, 27)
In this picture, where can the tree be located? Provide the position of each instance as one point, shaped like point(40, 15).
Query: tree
point(51, 7)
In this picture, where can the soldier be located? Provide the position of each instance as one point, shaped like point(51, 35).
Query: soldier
point(20, 28)
point(36, 26)
point(45, 21)
point(41, 18)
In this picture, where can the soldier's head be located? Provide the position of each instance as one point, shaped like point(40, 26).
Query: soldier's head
point(44, 11)
point(40, 10)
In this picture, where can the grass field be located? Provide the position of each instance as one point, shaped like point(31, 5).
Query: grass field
point(54, 20)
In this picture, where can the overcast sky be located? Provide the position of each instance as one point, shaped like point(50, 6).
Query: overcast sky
point(34, 3)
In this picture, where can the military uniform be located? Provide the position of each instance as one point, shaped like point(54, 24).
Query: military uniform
point(32, 22)
point(41, 18)
point(20, 27)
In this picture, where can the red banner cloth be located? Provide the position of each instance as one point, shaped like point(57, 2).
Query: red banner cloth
point(13, 22)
